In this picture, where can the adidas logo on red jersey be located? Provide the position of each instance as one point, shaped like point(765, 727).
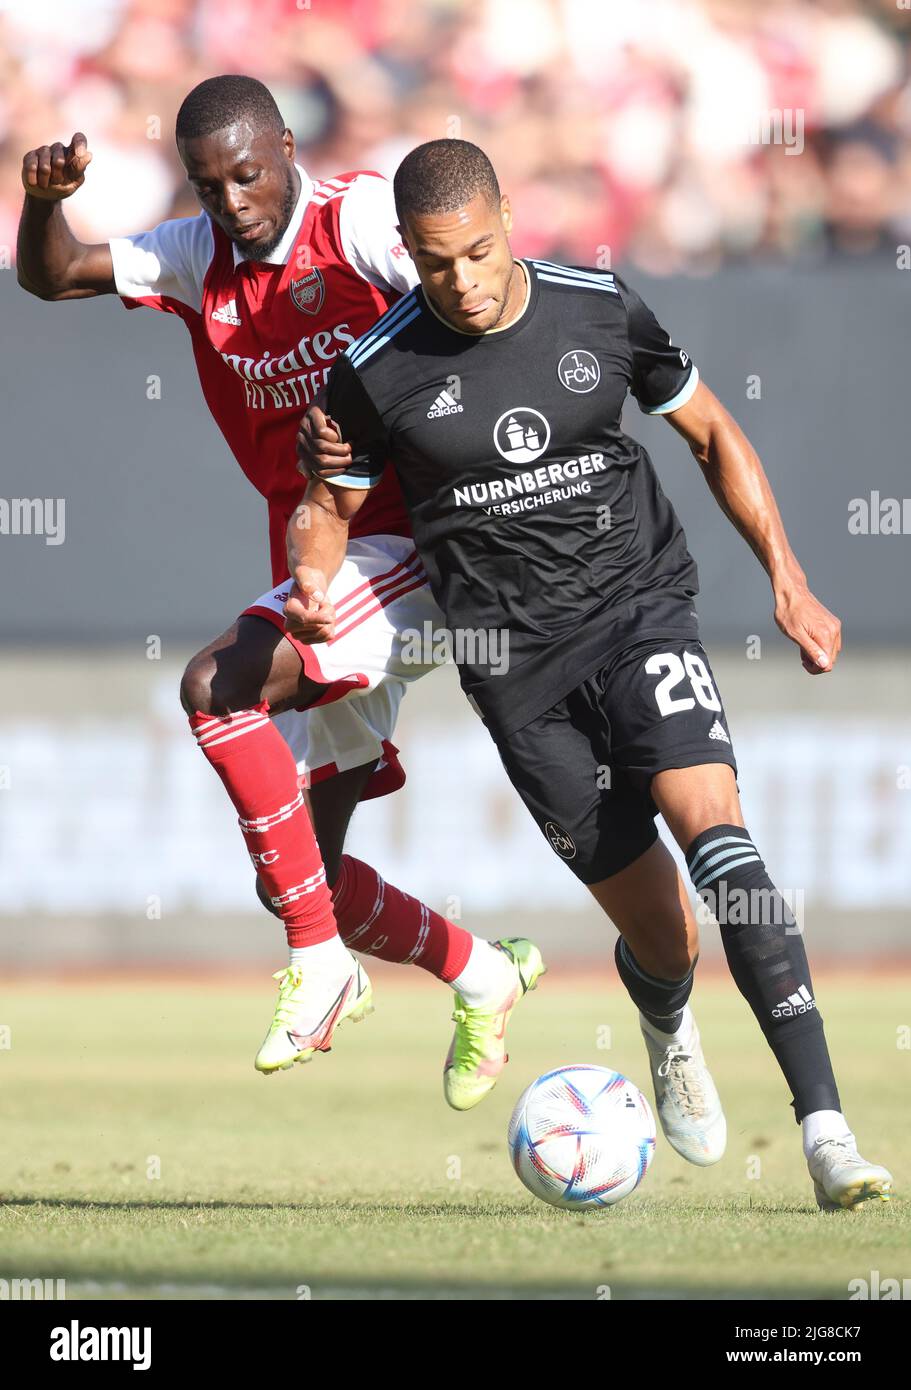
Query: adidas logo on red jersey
point(227, 313)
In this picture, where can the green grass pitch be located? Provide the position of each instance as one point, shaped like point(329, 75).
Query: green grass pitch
point(350, 1178)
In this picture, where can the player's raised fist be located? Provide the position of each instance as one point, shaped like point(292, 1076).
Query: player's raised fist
point(55, 171)
point(320, 451)
point(309, 613)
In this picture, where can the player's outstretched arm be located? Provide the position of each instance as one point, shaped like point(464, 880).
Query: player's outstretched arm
point(736, 477)
point(317, 539)
point(50, 262)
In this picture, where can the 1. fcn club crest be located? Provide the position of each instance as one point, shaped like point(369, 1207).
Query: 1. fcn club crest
point(309, 292)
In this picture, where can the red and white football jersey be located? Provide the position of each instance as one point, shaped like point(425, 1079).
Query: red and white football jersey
point(265, 334)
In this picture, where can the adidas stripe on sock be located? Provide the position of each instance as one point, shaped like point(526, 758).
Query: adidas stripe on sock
point(767, 958)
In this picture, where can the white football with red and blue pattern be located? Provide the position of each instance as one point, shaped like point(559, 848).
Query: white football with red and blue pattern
point(582, 1136)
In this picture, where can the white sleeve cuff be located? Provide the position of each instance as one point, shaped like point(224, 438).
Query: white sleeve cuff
point(681, 397)
point(352, 480)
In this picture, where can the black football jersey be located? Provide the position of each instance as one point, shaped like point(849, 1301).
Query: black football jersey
point(536, 517)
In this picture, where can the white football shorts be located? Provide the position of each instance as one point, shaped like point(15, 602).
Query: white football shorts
point(386, 618)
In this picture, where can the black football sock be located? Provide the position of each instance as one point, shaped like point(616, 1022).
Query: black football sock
point(660, 1001)
point(766, 955)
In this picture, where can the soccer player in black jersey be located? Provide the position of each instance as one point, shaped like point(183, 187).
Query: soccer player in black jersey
point(495, 390)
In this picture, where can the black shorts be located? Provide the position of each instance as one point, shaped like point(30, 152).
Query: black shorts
point(584, 767)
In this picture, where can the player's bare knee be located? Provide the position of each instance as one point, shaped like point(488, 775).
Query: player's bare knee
point(721, 810)
point(196, 685)
point(693, 799)
point(222, 681)
point(689, 817)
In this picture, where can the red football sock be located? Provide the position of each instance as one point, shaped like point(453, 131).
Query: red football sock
point(260, 775)
point(380, 920)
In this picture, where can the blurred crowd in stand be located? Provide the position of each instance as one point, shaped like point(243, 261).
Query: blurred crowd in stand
point(674, 135)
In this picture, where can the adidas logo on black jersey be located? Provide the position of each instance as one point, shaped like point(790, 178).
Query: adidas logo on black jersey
point(718, 731)
point(445, 404)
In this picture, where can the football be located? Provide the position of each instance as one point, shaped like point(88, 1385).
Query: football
point(582, 1136)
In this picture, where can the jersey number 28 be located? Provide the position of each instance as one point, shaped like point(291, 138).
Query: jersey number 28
point(691, 666)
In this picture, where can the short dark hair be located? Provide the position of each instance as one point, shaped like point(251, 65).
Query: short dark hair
point(443, 175)
point(221, 101)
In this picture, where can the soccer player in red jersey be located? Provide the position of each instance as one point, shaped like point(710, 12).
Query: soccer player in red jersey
point(275, 276)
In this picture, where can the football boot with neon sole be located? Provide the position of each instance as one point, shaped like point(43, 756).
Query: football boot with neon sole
point(308, 1011)
point(478, 1053)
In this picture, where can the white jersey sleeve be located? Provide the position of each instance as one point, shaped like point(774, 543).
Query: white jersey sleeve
point(169, 262)
point(370, 237)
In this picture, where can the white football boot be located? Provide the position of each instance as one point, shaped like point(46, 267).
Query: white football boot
point(841, 1178)
point(686, 1100)
point(309, 1009)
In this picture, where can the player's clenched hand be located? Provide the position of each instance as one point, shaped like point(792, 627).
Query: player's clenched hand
point(309, 614)
point(807, 622)
point(55, 171)
point(320, 451)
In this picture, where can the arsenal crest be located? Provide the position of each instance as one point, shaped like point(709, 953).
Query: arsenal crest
point(309, 292)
